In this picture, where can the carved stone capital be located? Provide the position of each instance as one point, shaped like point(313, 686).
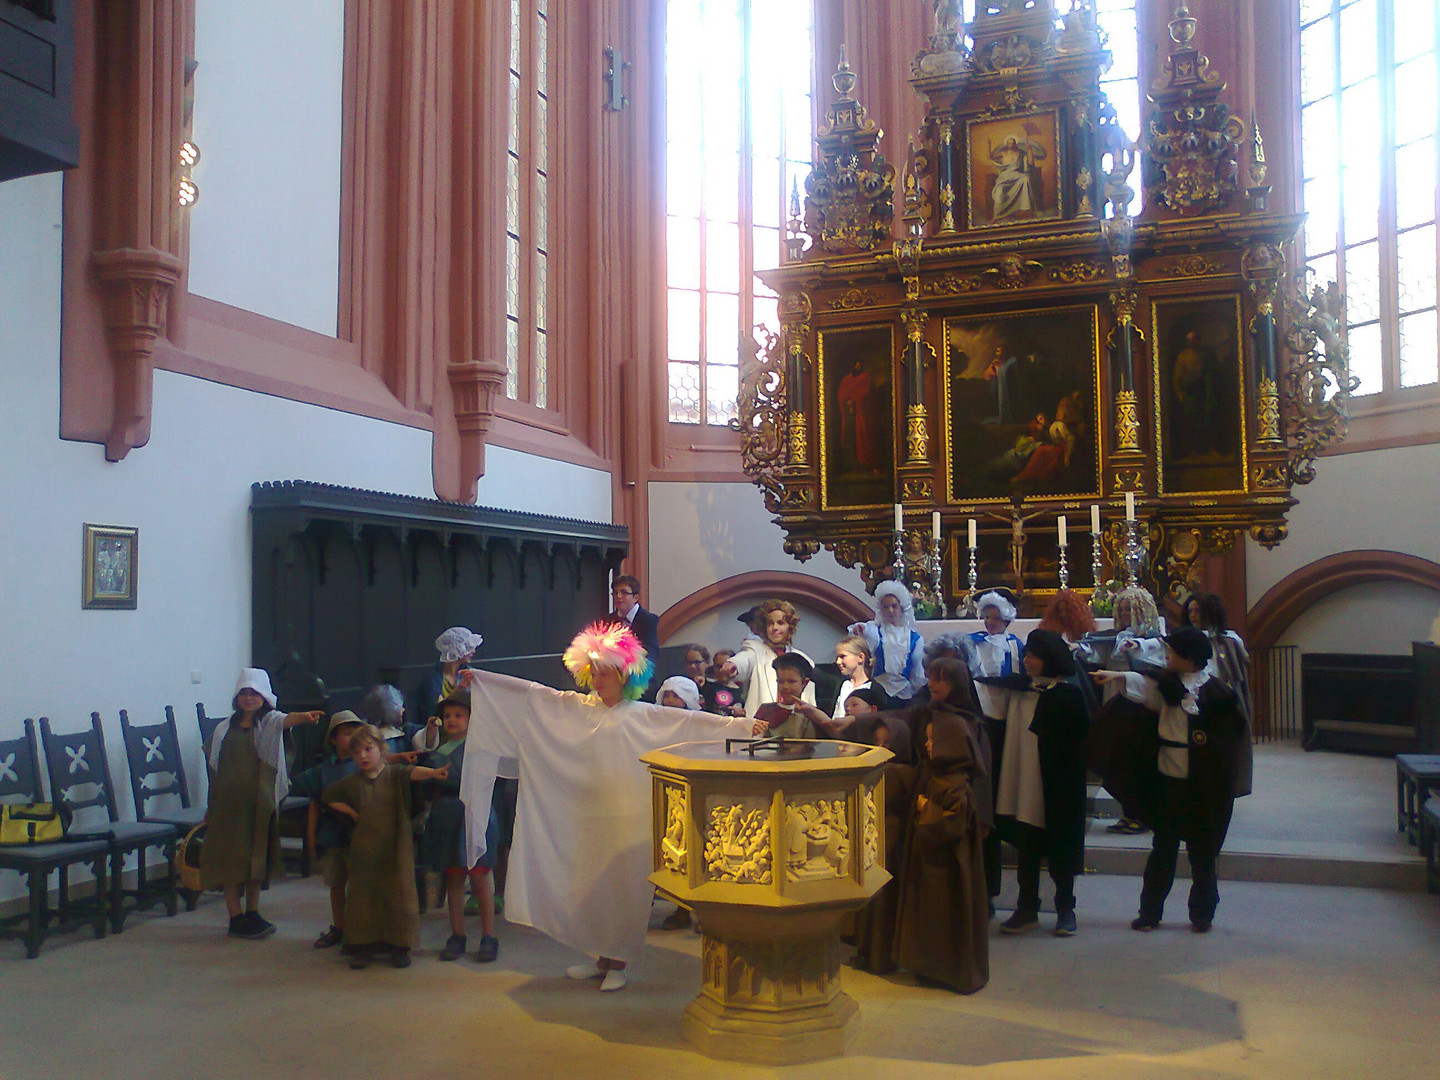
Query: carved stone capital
point(474, 384)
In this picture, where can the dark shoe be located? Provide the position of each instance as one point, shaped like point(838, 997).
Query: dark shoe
point(238, 926)
point(260, 927)
point(360, 958)
point(1065, 924)
point(1200, 926)
point(1020, 922)
point(472, 906)
point(454, 947)
point(679, 919)
point(1144, 924)
point(400, 958)
point(330, 938)
point(489, 950)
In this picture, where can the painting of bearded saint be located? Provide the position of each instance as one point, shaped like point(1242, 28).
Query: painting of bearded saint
point(1199, 406)
point(1012, 170)
point(857, 433)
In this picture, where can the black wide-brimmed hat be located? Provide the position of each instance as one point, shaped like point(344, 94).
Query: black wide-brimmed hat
point(1190, 643)
point(1053, 651)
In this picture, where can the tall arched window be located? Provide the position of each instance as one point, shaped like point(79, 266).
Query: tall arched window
point(738, 137)
point(1368, 130)
point(527, 231)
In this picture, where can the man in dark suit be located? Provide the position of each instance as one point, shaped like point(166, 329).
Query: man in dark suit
point(625, 596)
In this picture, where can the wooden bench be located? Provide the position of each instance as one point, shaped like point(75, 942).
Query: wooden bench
point(1430, 842)
point(1416, 776)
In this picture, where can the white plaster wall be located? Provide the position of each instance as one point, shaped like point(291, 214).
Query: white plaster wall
point(518, 481)
point(1383, 499)
point(265, 235)
point(701, 533)
point(1381, 618)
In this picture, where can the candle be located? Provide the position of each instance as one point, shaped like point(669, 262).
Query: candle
point(899, 518)
point(1129, 506)
point(1060, 528)
point(1094, 517)
point(972, 532)
point(935, 524)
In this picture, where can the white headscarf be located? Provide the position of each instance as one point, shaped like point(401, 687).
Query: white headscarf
point(684, 688)
point(457, 643)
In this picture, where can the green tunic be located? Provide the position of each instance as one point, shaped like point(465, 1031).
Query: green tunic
point(381, 905)
point(242, 838)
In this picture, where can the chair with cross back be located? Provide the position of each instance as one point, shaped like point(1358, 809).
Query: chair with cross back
point(157, 772)
point(77, 762)
point(20, 782)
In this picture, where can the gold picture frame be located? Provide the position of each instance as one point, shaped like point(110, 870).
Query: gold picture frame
point(1013, 169)
point(109, 567)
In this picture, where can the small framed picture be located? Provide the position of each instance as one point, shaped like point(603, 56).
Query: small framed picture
point(112, 558)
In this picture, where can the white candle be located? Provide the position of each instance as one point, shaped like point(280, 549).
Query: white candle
point(1060, 528)
point(972, 532)
point(935, 524)
point(899, 518)
point(1094, 517)
point(1129, 506)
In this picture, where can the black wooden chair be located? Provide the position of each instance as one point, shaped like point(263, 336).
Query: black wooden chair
point(293, 813)
point(157, 770)
point(20, 782)
point(79, 761)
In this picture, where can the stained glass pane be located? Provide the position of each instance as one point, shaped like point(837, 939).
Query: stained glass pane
point(722, 329)
point(512, 195)
point(542, 134)
point(684, 326)
point(766, 125)
point(515, 35)
point(1318, 152)
point(542, 369)
point(682, 107)
point(1360, 31)
point(767, 314)
point(1313, 9)
point(1415, 183)
point(1362, 283)
point(722, 256)
point(1415, 100)
point(514, 143)
point(682, 253)
point(684, 393)
point(1317, 60)
point(722, 186)
point(542, 213)
point(542, 292)
point(722, 386)
point(767, 195)
point(542, 52)
point(512, 358)
point(1324, 270)
point(766, 250)
point(512, 277)
point(1417, 350)
point(1414, 28)
point(1365, 359)
point(1415, 251)
point(1322, 205)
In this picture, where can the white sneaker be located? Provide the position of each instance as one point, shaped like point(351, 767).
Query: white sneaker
point(614, 980)
point(583, 971)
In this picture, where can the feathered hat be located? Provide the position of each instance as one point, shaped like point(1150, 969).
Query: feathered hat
point(610, 645)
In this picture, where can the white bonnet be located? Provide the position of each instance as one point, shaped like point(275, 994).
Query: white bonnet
point(684, 688)
point(901, 593)
point(995, 600)
point(457, 643)
point(257, 679)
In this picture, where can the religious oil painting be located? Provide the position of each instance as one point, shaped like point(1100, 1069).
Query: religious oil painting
point(1021, 403)
point(1199, 398)
point(1013, 170)
point(857, 416)
point(111, 554)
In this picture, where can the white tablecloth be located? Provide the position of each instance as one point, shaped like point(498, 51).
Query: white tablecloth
point(933, 628)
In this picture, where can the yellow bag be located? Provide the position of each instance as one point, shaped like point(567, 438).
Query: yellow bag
point(33, 823)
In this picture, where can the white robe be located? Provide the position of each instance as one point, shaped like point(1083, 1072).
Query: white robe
point(755, 662)
point(581, 857)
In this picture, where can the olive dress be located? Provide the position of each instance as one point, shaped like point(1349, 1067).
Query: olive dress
point(382, 906)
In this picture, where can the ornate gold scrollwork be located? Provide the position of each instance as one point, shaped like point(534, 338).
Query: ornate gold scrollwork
point(1318, 383)
point(799, 439)
point(1267, 412)
point(917, 436)
point(854, 298)
point(916, 489)
point(849, 194)
point(762, 423)
point(1013, 272)
point(1269, 534)
point(1268, 475)
point(950, 284)
point(1077, 270)
point(1127, 423)
point(1129, 480)
point(1192, 266)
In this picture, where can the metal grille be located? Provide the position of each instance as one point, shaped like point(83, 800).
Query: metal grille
point(1277, 694)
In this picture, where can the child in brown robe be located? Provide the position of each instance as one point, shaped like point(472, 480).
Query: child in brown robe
point(382, 909)
point(875, 922)
point(943, 916)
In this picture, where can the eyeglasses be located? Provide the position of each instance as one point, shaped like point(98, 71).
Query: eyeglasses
point(621, 592)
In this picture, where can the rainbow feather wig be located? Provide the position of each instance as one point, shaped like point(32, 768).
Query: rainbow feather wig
point(610, 645)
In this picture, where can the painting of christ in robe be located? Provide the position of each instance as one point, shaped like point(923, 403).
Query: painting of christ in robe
point(857, 425)
point(1021, 402)
point(1199, 407)
point(1013, 170)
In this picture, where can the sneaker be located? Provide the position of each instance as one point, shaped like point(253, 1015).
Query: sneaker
point(251, 927)
point(1020, 922)
point(472, 906)
point(583, 971)
point(1120, 825)
point(360, 958)
point(330, 938)
point(238, 925)
point(400, 958)
point(1144, 924)
point(614, 980)
point(489, 950)
point(679, 919)
point(454, 947)
point(499, 904)
point(1200, 926)
point(1065, 924)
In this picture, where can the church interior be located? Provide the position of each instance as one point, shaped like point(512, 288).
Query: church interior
point(376, 317)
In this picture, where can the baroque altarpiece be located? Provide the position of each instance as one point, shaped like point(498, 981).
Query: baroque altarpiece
point(1032, 343)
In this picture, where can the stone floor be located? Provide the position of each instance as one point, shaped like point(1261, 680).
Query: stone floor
point(1295, 981)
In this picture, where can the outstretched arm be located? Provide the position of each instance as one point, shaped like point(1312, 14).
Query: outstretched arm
point(295, 719)
point(421, 772)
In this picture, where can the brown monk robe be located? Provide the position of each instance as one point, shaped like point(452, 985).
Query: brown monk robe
point(382, 907)
point(875, 922)
point(943, 924)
